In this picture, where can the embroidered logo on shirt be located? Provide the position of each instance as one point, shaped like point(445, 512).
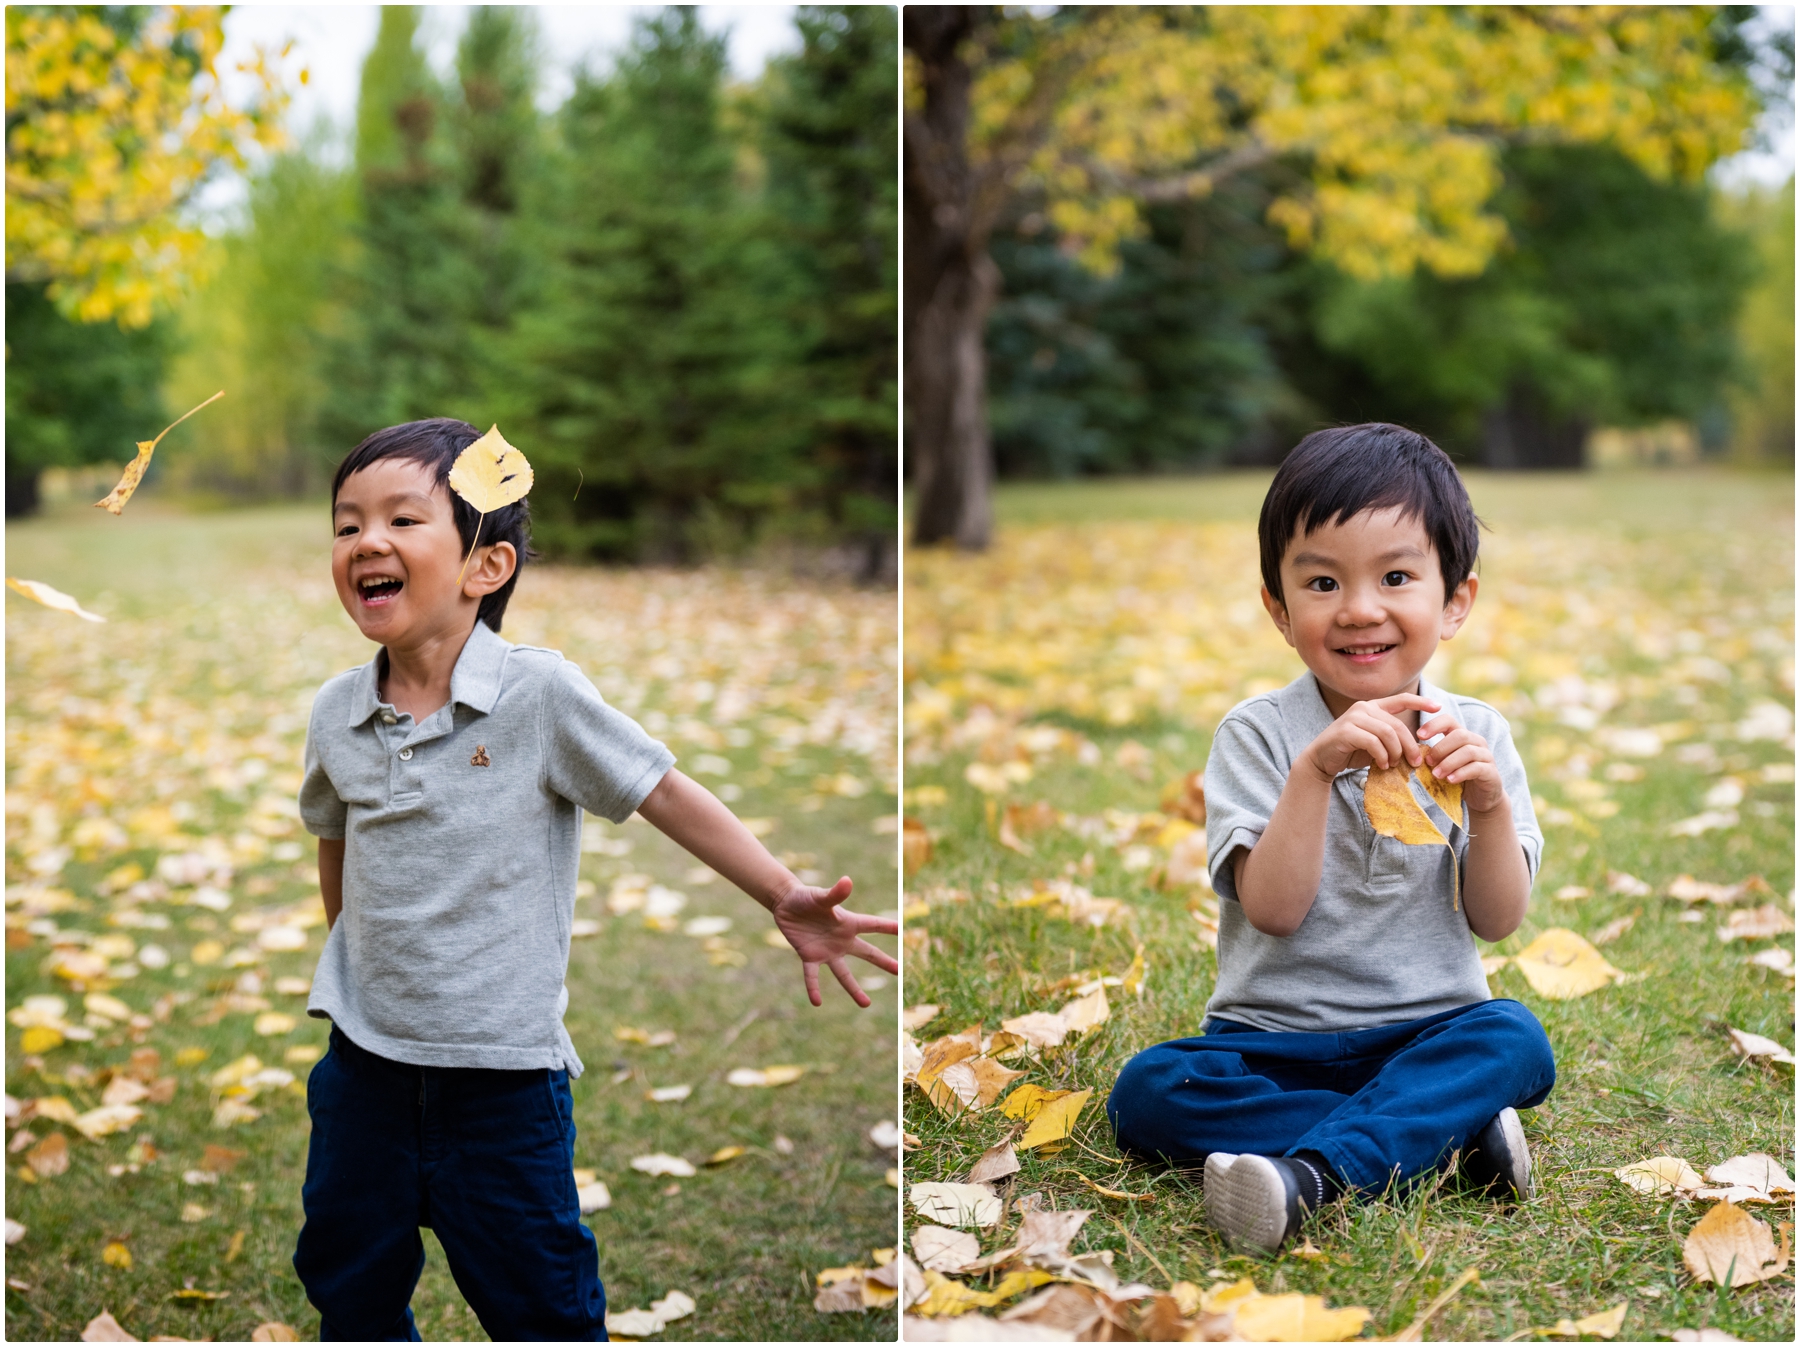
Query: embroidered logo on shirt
point(481, 758)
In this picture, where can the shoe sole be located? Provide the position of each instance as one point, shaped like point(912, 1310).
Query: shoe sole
point(1246, 1200)
point(1512, 1135)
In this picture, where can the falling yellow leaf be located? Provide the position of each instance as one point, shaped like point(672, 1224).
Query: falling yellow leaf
point(1560, 965)
point(1729, 1242)
point(1055, 1119)
point(1604, 1324)
point(116, 1254)
point(490, 475)
point(114, 500)
point(1392, 811)
point(1660, 1175)
point(51, 598)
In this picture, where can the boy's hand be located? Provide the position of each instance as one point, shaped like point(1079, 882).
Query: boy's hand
point(1463, 757)
point(1369, 734)
point(821, 932)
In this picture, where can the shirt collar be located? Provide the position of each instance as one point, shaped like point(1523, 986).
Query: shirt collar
point(474, 682)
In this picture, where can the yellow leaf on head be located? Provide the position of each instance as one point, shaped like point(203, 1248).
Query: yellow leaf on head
point(490, 474)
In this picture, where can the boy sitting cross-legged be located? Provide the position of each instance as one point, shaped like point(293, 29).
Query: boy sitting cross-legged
point(1351, 1041)
point(446, 780)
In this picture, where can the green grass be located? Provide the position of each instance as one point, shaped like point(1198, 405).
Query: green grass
point(1644, 1067)
point(221, 627)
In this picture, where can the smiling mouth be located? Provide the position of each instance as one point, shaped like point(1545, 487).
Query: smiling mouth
point(380, 591)
point(1364, 652)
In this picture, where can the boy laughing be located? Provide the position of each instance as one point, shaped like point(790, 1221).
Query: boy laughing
point(1350, 1041)
point(445, 780)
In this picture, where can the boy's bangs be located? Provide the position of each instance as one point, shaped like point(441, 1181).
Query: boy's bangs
point(1334, 475)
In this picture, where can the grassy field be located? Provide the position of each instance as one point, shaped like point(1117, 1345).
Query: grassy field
point(172, 736)
point(1083, 662)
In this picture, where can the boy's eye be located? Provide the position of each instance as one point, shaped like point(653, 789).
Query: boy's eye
point(404, 520)
point(346, 530)
point(1321, 584)
point(1395, 578)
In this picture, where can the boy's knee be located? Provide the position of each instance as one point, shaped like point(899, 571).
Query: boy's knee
point(1143, 1091)
point(1523, 1037)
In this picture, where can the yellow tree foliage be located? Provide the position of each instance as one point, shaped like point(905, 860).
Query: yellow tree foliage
point(108, 135)
point(1401, 112)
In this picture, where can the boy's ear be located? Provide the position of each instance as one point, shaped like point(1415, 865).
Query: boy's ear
point(1279, 614)
point(1456, 611)
point(493, 566)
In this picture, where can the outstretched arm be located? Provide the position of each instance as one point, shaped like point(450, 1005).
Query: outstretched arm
point(331, 877)
point(820, 931)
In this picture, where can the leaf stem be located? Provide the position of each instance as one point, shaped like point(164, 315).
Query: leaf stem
point(476, 539)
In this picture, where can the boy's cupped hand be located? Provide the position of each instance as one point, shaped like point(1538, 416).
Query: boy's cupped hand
point(822, 932)
point(1370, 734)
point(1464, 757)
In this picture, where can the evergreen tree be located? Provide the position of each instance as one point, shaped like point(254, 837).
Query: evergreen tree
point(829, 141)
point(649, 382)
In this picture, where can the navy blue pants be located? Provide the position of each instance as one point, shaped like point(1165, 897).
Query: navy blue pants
point(483, 1158)
point(1378, 1104)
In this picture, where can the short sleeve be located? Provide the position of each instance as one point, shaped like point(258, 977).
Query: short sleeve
point(322, 809)
point(596, 756)
point(1244, 781)
point(1518, 793)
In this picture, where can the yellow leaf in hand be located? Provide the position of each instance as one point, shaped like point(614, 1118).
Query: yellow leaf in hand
point(1393, 812)
point(114, 501)
point(490, 473)
point(51, 598)
point(1446, 794)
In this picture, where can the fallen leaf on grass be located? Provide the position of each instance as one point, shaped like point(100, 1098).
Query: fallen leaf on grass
point(1691, 890)
point(1560, 965)
point(669, 1094)
point(1296, 1318)
point(725, 1155)
point(1755, 1170)
point(996, 1163)
point(1659, 1176)
point(1603, 1324)
point(194, 1293)
point(591, 1194)
point(914, 1017)
point(1758, 923)
point(273, 1332)
point(14, 1231)
point(958, 1204)
point(915, 845)
point(235, 1249)
point(1392, 811)
point(104, 1328)
point(1748, 1045)
point(40, 1038)
point(749, 1077)
point(1086, 1012)
point(192, 1213)
point(973, 1083)
point(1702, 1335)
point(116, 1254)
point(51, 598)
point(50, 1156)
point(661, 1163)
point(1730, 1243)
point(646, 1323)
point(1050, 1113)
point(1039, 1029)
point(1778, 960)
point(274, 1023)
point(1613, 930)
point(940, 1249)
point(885, 1135)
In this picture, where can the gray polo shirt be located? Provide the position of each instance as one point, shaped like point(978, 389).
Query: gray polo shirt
point(462, 834)
point(1381, 943)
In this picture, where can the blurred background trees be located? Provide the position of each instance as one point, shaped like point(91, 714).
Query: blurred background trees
point(675, 291)
point(1188, 236)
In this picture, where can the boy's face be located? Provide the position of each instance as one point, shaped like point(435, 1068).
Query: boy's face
point(1364, 605)
point(396, 553)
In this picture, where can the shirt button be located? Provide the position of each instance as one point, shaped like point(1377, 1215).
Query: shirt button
point(405, 755)
point(387, 717)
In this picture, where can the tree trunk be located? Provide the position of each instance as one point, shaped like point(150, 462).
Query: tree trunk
point(951, 284)
point(21, 491)
point(1523, 434)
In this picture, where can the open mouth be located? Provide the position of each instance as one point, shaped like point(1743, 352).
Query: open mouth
point(1364, 654)
point(379, 590)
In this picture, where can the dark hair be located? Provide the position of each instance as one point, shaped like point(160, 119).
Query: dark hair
point(435, 444)
point(1332, 475)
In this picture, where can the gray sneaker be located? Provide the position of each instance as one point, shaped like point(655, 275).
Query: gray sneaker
point(1252, 1200)
point(1498, 1160)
